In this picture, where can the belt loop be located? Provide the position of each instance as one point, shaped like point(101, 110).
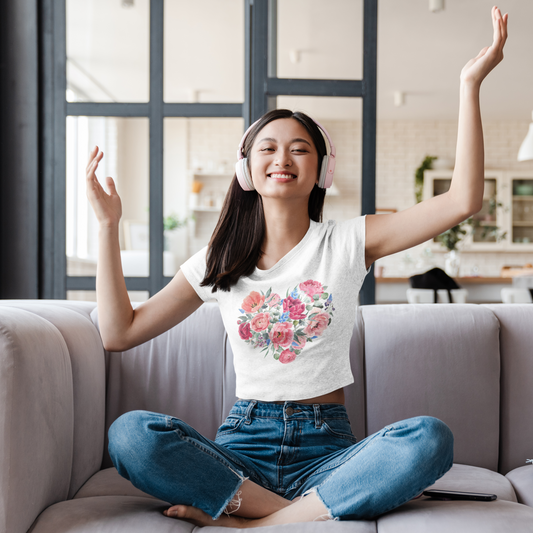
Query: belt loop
point(318, 418)
point(248, 413)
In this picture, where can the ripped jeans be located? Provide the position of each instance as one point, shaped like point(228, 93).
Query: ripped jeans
point(289, 449)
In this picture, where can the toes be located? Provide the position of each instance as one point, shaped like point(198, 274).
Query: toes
point(187, 512)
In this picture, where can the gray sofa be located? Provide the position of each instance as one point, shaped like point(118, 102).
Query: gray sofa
point(469, 365)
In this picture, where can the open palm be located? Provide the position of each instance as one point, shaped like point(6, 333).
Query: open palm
point(107, 207)
point(477, 68)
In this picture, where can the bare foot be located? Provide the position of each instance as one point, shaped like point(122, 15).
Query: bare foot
point(304, 509)
point(199, 518)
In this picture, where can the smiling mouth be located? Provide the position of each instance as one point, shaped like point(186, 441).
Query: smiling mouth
point(278, 176)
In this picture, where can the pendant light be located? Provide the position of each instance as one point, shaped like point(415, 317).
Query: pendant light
point(526, 150)
point(436, 5)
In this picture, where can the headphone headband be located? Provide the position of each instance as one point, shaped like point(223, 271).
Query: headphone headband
point(326, 171)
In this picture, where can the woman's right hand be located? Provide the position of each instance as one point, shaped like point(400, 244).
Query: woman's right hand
point(107, 207)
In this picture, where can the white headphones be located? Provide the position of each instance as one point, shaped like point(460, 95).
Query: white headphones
point(326, 170)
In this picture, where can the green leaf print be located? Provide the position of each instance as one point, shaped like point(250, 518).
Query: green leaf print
point(268, 292)
point(324, 296)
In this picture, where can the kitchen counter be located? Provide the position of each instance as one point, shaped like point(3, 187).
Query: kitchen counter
point(480, 289)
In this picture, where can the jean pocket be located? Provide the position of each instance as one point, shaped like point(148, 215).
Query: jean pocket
point(339, 428)
point(230, 425)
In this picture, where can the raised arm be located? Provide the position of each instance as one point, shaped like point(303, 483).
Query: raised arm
point(122, 327)
point(388, 234)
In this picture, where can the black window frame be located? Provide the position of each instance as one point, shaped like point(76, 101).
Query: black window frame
point(261, 89)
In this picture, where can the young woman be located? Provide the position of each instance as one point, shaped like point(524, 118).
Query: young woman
point(287, 287)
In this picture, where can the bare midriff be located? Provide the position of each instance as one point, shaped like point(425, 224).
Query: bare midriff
point(337, 396)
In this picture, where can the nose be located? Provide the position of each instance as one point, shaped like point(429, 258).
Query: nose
point(283, 158)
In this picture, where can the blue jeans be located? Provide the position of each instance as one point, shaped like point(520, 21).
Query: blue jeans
point(288, 449)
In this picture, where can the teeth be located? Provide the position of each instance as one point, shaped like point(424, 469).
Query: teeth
point(282, 176)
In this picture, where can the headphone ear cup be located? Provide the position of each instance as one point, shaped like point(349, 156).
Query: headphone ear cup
point(243, 175)
point(323, 173)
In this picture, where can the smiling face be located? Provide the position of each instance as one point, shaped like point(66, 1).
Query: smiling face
point(284, 160)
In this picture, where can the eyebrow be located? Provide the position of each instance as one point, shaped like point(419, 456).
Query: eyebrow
point(297, 139)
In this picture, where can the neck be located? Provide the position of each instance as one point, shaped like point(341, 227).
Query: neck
point(286, 226)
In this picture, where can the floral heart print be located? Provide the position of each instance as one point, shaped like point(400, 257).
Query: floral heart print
point(282, 327)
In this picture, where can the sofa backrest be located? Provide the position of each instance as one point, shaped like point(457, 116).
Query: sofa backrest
point(516, 347)
point(440, 360)
point(407, 360)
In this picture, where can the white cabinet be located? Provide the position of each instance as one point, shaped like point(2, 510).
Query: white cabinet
point(507, 204)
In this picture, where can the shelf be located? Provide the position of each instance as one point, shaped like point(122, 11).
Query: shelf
point(522, 224)
point(524, 197)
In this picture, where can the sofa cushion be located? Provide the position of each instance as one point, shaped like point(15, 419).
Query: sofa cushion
point(522, 481)
point(109, 482)
point(109, 514)
point(435, 516)
point(129, 514)
point(467, 478)
point(440, 360)
point(516, 341)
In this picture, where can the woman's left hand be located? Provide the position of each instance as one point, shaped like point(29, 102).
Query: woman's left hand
point(476, 70)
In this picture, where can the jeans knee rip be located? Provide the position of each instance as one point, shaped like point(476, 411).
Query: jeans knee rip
point(233, 503)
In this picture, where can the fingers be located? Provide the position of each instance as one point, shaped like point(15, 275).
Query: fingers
point(499, 23)
point(94, 157)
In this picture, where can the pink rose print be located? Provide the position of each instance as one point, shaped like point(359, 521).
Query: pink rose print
point(281, 334)
point(283, 326)
point(287, 357)
point(244, 331)
point(253, 302)
point(317, 324)
point(295, 307)
point(273, 300)
point(311, 287)
point(260, 322)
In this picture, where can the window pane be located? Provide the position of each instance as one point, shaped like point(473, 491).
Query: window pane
point(124, 142)
point(204, 51)
point(108, 51)
point(318, 40)
point(342, 119)
point(199, 164)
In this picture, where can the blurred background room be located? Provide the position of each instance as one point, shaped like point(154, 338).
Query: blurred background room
point(166, 89)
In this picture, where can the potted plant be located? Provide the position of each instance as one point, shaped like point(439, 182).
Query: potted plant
point(175, 230)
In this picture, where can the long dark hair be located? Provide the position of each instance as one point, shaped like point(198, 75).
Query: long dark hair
point(235, 246)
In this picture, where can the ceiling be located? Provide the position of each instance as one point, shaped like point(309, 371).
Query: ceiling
point(419, 53)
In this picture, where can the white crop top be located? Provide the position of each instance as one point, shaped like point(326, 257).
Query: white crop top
point(290, 326)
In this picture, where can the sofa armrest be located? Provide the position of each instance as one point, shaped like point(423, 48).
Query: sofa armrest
point(522, 480)
point(36, 418)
